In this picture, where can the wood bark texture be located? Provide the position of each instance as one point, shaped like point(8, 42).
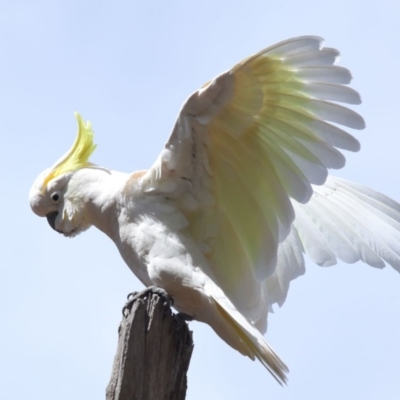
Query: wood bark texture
point(153, 354)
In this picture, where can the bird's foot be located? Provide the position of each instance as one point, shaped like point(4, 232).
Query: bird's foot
point(132, 297)
point(184, 316)
point(181, 319)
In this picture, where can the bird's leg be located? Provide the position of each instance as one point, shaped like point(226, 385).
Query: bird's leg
point(182, 319)
point(184, 316)
point(132, 297)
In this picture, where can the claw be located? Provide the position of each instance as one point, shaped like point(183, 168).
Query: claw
point(132, 294)
point(132, 297)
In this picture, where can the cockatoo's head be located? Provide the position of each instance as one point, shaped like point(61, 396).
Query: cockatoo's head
point(55, 193)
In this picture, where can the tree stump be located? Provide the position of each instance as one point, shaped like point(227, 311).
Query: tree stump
point(153, 354)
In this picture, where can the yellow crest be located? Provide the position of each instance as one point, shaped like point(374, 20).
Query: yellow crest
point(78, 156)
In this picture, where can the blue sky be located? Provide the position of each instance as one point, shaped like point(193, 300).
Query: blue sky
point(128, 66)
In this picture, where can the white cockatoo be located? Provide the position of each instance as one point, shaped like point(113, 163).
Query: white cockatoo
point(238, 195)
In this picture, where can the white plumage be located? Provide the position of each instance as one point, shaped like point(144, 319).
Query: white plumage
point(238, 195)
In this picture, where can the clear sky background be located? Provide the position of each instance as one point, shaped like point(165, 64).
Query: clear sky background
point(127, 66)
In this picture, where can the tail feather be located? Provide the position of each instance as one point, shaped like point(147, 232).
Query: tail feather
point(253, 343)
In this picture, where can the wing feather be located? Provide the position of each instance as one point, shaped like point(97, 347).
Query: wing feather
point(343, 220)
point(242, 163)
point(331, 74)
point(290, 265)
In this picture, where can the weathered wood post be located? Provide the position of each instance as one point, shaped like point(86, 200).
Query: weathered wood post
point(153, 354)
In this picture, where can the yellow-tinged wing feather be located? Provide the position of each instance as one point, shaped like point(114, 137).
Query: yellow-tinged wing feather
point(244, 145)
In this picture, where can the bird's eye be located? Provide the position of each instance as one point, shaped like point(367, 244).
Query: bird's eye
point(55, 197)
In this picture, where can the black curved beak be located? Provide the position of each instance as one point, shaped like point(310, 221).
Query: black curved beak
point(51, 219)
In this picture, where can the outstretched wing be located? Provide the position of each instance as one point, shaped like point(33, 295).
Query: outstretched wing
point(247, 143)
point(343, 220)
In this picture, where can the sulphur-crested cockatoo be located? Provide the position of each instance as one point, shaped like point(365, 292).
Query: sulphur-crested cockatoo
point(239, 193)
